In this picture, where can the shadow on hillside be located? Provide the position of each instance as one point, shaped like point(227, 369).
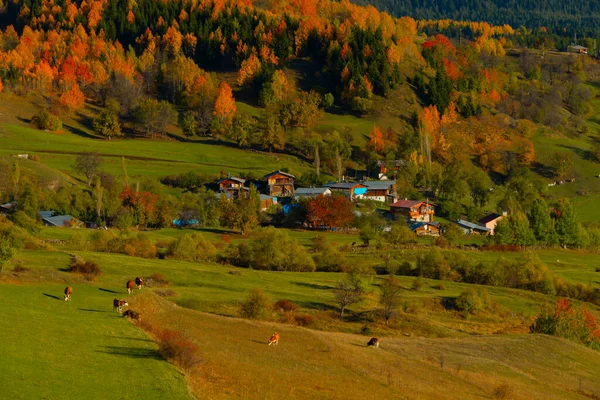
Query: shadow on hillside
point(107, 290)
point(24, 120)
point(90, 310)
point(544, 171)
point(317, 306)
point(131, 352)
point(52, 296)
point(313, 285)
point(78, 132)
point(130, 338)
point(584, 154)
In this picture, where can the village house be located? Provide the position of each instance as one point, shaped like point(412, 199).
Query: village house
point(469, 228)
point(352, 190)
point(281, 184)
point(232, 185)
point(62, 221)
point(426, 228)
point(312, 192)
point(490, 221)
point(574, 48)
point(414, 210)
point(384, 191)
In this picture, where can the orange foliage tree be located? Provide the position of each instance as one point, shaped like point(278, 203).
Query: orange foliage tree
point(225, 108)
point(73, 99)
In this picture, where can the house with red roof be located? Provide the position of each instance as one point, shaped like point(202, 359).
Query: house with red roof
point(414, 210)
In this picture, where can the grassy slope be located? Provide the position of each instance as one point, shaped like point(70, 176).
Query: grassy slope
point(310, 364)
point(80, 349)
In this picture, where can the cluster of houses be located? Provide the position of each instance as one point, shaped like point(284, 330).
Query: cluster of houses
point(278, 186)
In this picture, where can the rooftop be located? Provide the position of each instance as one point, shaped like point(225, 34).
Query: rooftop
point(233, 178)
point(278, 172)
point(471, 225)
point(346, 185)
point(311, 191)
point(489, 218)
point(406, 203)
point(379, 185)
point(59, 220)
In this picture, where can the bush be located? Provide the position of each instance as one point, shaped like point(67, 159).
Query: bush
point(502, 391)
point(256, 305)
point(284, 306)
point(158, 279)
point(417, 284)
point(80, 266)
point(175, 348)
point(46, 121)
point(140, 246)
point(304, 320)
point(472, 301)
point(192, 248)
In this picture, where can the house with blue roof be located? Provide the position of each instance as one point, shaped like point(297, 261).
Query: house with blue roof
point(469, 228)
point(62, 221)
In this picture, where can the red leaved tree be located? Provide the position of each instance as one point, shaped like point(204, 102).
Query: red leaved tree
point(330, 211)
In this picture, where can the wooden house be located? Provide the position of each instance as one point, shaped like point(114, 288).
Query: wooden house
point(352, 190)
point(490, 221)
point(426, 228)
point(281, 184)
point(414, 210)
point(384, 191)
point(574, 48)
point(232, 186)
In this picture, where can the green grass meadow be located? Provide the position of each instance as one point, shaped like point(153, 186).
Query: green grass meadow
point(52, 349)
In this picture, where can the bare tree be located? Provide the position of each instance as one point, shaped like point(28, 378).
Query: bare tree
point(389, 297)
point(88, 164)
point(347, 293)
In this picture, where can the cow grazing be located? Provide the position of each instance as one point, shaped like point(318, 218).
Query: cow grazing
point(274, 339)
point(119, 304)
point(130, 285)
point(68, 293)
point(139, 282)
point(374, 342)
point(132, 314)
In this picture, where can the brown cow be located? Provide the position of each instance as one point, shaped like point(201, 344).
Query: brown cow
point(68, 293)
point(130, 285)
point(119, 304)
point(374, 342)
point(132, 314)
point(139, 282)
point(274, 339)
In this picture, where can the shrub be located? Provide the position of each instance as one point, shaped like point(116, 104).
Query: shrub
point(439, 287)
point(174, 347)
point(46, 121)
point(284, 306)
point(472, 301)
point(417, 284)
point(20, 268)
point(256, 305)
point(304, 320)
point(158, 279)
point(80, 266)
point(35, 158)
point(235, 272)
point(140, 246)
point(192, 248)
